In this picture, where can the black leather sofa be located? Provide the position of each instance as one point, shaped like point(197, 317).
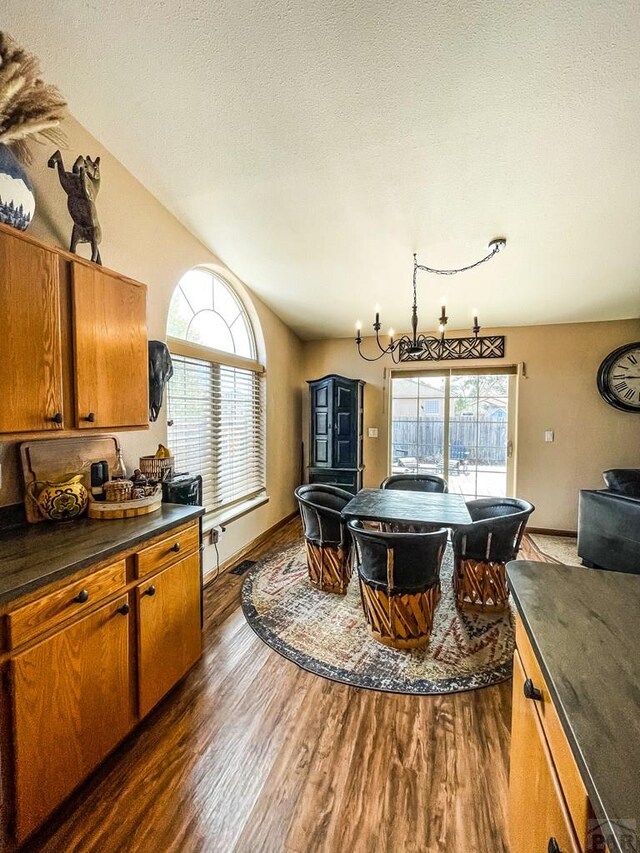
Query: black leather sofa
point(609, 523)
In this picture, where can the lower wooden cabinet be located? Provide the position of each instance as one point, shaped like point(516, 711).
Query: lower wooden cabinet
point(169, 634)
point(539, 820)
point(549, 809)
point(85, 661)
point(71, 705)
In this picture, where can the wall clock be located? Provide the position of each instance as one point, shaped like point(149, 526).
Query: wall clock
point(619, 378)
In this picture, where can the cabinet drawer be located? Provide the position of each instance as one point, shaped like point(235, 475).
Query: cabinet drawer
point(38, 616)
point(573, 788)
point(174, 547)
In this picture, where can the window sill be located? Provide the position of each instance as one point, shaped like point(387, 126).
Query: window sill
point(225, 516)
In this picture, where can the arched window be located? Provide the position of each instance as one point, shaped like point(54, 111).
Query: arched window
point(216, 394)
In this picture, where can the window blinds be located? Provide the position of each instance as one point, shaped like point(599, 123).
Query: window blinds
point(218, 428)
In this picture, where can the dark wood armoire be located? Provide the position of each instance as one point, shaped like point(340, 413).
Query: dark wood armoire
point(336, 416)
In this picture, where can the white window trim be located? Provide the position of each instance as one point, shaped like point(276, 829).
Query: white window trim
point(193, 350)
point(232, 513)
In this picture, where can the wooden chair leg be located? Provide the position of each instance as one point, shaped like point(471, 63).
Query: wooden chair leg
point(400, 621)
point(329, 567)
point(480, 585)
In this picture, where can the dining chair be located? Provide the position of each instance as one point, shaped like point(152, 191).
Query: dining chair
point(413, 483)
point(327, 540)
point(399, 576)
point(482, 549)
point(416, 483)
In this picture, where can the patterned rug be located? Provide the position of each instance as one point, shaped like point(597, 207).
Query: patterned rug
point(328, 635)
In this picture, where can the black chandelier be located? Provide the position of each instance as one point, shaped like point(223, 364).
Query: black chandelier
point(421, 347)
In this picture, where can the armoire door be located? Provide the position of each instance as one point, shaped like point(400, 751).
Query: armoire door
point(345, 448)
point(321, 412)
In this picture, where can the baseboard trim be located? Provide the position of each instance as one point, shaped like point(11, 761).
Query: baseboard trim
point(240, 555)
point(550, 531)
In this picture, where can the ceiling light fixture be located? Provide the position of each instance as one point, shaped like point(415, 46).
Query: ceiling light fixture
point(421, 347)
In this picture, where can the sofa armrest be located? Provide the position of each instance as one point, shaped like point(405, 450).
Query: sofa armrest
point(609, 530)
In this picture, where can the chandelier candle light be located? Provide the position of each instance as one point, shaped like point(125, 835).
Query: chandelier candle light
point(424, 347)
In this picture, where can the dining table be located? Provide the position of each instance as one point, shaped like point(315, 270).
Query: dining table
point(409, 507)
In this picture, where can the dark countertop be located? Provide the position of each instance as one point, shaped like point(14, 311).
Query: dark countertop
point(584, 626)
point(34, 555)
point(411, 507)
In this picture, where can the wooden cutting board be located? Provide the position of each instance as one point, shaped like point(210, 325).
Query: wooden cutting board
point(51, 458)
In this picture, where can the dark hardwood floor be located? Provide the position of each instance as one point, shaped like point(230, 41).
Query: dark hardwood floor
point(250, 754)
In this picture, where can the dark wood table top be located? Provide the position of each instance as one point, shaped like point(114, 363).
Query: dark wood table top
point(409, 507)
point(583, 627)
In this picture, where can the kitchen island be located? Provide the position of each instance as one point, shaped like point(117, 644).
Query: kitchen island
point(578, 642)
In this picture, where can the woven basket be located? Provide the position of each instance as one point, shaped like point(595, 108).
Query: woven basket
point(118, 490)
point(154, 468)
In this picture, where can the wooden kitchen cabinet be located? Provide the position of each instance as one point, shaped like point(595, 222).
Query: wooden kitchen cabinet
point(73, 342)
point(83, 659)
point(110, 349)
point(71, 698)
point(169, 632)
point(548, 802)
point(30, 338)
point(539, 818)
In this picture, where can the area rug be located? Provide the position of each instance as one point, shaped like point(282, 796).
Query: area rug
point(558, 549)
point(328, 635)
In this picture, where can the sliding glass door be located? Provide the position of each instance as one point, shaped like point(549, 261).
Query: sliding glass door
point(458, 424)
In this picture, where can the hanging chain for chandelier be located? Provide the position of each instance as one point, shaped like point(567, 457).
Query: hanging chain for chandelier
point(422, 347)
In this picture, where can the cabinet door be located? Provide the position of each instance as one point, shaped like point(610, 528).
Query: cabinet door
point(322, 424)
point(110, 349)
point(345, 424)
point(71, 706)
point(169, 629)
point(537, 810)
point(30, 348)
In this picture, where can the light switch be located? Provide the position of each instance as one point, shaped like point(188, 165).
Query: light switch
point(548, 435)
point(373, 432)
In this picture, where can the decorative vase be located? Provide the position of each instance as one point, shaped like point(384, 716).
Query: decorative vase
point(60, 500)
point(17, 201)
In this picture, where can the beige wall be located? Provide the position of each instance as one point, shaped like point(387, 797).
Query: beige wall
point(558, 393)
point(143, 240)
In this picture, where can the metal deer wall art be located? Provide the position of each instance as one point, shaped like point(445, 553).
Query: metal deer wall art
point(81, 185)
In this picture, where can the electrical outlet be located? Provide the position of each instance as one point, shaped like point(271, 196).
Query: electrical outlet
point(215, 535)
point(548, 435)
point(373, 432)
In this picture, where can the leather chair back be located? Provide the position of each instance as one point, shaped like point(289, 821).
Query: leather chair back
point(496, 531)
point(398, 562)
point(320, 508)
point(416, 483)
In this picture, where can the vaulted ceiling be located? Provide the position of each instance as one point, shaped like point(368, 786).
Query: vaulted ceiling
point(314, 146)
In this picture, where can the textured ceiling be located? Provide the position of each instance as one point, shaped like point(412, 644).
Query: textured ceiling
point(314, 146)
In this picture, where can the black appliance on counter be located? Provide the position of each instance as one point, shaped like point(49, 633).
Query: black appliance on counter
point(183, 489)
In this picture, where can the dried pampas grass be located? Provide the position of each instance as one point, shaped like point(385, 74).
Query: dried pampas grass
point(29, 108)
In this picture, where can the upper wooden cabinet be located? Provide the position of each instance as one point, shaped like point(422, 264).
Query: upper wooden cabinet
point(30, 347)
point(110, 349)
point(73, 339)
